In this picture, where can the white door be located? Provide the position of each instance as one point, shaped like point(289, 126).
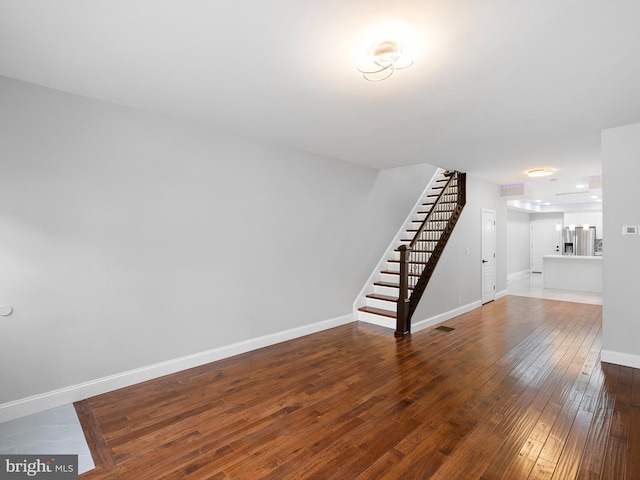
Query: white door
point(545, 240)
point(488, 255)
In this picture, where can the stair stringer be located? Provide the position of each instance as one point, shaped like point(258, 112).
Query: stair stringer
point(389, 253)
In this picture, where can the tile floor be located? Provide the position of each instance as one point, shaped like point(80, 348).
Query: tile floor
point(55, 431)
point(530, 285)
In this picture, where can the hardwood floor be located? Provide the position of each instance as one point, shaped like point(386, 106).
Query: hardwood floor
point(516, 391)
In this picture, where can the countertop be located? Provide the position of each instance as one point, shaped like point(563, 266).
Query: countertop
point(575, 257)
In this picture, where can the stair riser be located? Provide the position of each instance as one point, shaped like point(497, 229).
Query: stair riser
point(391, 291)
point(385, 277)
point(393, 266)
point(389, 277)
point(377, 319)
point(384, 304)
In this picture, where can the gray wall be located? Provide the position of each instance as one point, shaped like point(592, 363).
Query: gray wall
point(519, 242)
point(457, 279)
point(621, 254)
point(128, 239)
point(393, 196)
point(551, 217)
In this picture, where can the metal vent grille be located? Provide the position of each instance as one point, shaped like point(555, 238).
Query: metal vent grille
point(444, 329)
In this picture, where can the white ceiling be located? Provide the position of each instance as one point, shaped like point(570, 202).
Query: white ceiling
point(497, 87)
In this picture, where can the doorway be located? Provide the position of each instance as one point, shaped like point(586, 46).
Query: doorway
point(545, 240)
point(488, 255)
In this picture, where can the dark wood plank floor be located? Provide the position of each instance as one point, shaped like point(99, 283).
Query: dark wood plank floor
point(516, 391)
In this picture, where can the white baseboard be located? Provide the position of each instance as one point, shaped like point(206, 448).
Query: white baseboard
point(74, 393)
point(422, 324)
point(442, 317)
point(515, 275)
point(502, 293)
point(619, 358)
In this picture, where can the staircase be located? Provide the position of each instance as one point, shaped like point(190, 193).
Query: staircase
point(396, 290)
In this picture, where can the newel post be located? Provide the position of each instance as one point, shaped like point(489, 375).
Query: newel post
point(462, 189)
point(402, 311)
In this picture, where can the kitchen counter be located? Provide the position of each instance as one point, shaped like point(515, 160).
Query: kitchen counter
point(572, 272)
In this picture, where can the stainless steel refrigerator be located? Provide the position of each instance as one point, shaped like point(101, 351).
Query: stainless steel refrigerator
point(580, 241)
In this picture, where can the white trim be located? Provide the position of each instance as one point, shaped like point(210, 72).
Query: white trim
point(74, 393)
point(443, 317)
point(619, 358)
point(495, 253)
point(379, 320)
point(513, 276)
point(502, 293)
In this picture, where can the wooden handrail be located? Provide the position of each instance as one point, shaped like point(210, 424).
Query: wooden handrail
point(428, 217)
point(407, 304)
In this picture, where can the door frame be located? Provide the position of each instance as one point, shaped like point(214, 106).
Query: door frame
point(486, 298)
point(558, 250)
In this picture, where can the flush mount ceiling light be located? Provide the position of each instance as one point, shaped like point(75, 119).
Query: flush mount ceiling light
point(541, 172)
point(385, 57)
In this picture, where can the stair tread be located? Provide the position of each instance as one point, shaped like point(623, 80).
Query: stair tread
point(391, 272)
point(423, 240)
point(378, 311)
point(386, 298)
point(419, 263)
point(426, 212)
point(430, 221)
point(421, 251)
point(389, 284)
point(421, 222)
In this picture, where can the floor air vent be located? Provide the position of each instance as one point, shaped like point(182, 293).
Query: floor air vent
point(445, 329)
